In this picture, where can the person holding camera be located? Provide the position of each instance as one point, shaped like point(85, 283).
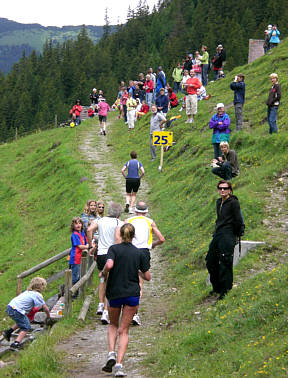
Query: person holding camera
point(238, 86)
point(274, 36)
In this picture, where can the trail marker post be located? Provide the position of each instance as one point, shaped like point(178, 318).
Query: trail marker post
point(163, 139)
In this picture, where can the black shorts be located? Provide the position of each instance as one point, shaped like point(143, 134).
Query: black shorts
point(132, 185)
point(102, 118)
point(101, 261)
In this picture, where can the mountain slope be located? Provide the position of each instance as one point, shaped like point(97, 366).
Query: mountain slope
point(16, 37)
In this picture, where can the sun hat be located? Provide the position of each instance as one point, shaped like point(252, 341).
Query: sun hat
point(220, 105)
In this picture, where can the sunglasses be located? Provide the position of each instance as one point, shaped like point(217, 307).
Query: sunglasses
point(223, 188)
point(100, 207)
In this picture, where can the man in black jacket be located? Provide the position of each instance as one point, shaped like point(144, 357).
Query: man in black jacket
point(229, 225)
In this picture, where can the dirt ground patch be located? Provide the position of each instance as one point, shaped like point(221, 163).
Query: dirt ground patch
point(86, 350)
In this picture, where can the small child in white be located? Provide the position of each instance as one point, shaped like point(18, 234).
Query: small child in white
point(20, 306)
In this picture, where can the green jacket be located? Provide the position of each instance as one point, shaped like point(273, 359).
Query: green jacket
point(177, 74)
point(205, 58)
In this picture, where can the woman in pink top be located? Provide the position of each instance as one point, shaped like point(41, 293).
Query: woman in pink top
point(103, 109)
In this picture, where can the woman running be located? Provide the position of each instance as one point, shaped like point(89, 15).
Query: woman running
point(124, 261)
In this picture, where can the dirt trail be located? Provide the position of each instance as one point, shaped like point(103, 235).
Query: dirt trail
point(86, 351)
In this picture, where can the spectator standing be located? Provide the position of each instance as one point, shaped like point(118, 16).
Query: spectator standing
point(148, 87)
point(204, 65)
point(141, 83)
point(197, 66)
point(157, 120)
point(219, 61)
point(266, 44)
point(238, 86)
point(161, 80)
point(173, 100)
point(131, 111)
point(123, 103)
point(192, 84)
point(162, 102)
point(177, 77)
point(144, 109)
point(229, 225)
point(274, 36)
point(185, 77)
point(103, 109)
point(132, 180)
point(226, 166)
point(89, 214)
point(188, 62)
point(79, 243)
point(76, 112)
point(153, 78)
point(220, 123)
point(273, 103)
point(94, 97)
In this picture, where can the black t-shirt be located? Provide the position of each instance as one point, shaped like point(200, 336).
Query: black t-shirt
point(123, 280)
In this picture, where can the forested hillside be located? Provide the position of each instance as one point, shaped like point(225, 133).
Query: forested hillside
point(38, 87)
point(16, 38)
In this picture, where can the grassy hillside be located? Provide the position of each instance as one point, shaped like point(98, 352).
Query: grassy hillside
point(247, 332)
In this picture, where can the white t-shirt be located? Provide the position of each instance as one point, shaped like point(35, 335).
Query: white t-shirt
point(106, 228)
point(24, 302)
point(143, 231)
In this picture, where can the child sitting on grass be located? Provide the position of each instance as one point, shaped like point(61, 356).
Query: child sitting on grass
point(20, 307)
point(79, 243)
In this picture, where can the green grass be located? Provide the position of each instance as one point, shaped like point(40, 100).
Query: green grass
point(247, 333)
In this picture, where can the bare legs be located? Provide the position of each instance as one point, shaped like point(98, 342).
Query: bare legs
point(131, 198)
point(127, 315)
point(102, 293)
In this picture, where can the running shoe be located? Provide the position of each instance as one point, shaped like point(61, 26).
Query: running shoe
point(131, 211)
point(100, 309)
point(105, 317)
point(104, 132)
point(136, 320)
point(16, 346)
point(126, 208)
point(119, 371)
point(7, 334)
point(111, 361)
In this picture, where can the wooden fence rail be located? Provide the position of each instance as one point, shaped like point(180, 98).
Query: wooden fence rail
point(86, 276)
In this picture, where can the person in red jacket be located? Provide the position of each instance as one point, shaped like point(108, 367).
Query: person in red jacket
point(144, 109)
point(76, 110)
point(173, 100)
point(148, 86)
point(191, 85)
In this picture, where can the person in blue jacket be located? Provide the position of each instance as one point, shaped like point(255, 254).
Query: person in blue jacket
point(274, 36)
point(220, 123)
point(161, 80)
point(162, 102)
point(238, 86)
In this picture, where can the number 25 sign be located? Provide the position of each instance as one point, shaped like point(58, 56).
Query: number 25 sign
point(162, 138)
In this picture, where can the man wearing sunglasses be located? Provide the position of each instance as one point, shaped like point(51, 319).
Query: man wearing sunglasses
point(229, 225)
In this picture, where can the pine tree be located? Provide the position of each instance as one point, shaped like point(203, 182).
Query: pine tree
point(106, 27)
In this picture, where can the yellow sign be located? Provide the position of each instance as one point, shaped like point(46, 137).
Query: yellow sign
point(162, 138)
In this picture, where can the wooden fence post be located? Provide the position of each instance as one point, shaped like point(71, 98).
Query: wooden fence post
point(56, 121)
point(83, 271)
point(68, 295)
point(90, 262)
point(19, 286)
point(16, 133)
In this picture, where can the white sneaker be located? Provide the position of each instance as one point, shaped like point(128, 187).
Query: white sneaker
point(119, 371)
point(105, 317)
point(136, 320)
point(180, 110)
point(111, 361)
point(188, 120)
point(100, 309)
point(131, 210)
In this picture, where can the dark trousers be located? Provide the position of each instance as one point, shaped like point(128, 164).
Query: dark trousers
point(219, 262)
point(224, 171)
point(125, 112)
point(217, 150)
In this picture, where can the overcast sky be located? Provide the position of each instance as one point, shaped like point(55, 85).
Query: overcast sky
point(68, 12)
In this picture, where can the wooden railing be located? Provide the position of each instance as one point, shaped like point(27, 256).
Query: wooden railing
point(86, 273)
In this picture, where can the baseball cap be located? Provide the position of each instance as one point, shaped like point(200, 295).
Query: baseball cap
point(220, 105)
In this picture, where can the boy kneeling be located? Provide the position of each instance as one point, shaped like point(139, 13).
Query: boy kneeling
point(20, 306)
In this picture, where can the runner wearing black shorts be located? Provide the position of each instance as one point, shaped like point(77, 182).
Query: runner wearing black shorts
point(132, 180)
